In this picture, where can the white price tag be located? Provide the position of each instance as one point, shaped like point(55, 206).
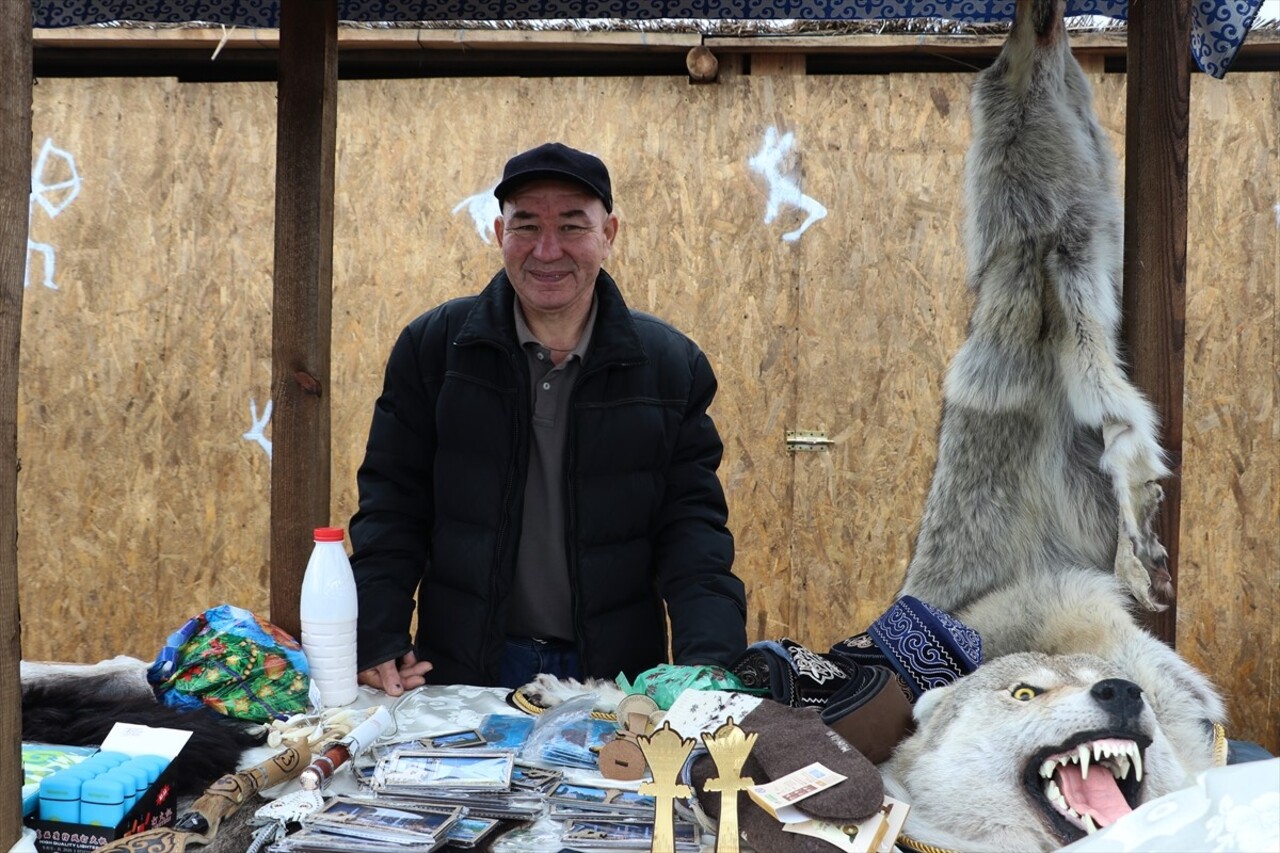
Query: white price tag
point(133, 739)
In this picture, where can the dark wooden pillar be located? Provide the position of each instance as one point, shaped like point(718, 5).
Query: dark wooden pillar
point(302, 303)
point(1155, 236)
point(15, 198)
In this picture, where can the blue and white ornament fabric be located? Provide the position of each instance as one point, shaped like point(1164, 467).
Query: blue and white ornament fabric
point(927, 647)
point(1218, 27)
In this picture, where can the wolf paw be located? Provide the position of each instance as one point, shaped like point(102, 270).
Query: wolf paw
point(1142, 563)
point(1134, 575)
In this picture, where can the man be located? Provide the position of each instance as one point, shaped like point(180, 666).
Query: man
point(541, 469)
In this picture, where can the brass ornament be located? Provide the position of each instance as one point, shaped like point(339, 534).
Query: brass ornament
point(666, 751)
point(729, 747)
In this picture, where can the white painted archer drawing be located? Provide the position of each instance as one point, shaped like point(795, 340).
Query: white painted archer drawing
point(255, 432)
point(783, 189)
point(58, 169)
point(483, 208)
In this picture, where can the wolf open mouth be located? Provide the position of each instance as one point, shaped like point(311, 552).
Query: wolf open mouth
point(1089, 782)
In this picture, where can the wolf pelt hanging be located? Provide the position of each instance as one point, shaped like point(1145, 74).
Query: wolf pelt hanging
point(1038, 525)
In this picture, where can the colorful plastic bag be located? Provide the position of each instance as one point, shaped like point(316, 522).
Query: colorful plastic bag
point(234, 662)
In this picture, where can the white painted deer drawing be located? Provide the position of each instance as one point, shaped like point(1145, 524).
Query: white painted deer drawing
point(783, 190)
point(483, 208)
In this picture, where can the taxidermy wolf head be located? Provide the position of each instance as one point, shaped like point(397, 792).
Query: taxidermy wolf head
point(1030, 752)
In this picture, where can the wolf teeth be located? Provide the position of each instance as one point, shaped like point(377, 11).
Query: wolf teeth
point(1054, 794)
point(1118, 756)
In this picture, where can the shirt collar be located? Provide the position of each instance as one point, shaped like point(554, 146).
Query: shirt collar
point(526, 337)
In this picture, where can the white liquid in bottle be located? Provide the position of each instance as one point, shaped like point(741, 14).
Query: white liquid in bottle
point(328, 614)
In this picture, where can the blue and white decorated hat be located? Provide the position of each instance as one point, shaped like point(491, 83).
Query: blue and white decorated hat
point(925, 646)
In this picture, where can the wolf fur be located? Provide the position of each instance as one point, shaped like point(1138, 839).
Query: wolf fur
point(1038, 527)
point(548, 691)
point(993, 749)
point(1048, 455)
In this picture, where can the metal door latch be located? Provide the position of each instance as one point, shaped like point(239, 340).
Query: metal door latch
point(807, 441)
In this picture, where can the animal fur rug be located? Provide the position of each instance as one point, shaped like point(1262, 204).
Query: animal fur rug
point(1038, 527)
point(81, 711)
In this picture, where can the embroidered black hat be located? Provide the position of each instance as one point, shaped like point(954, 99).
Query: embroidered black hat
point(555, 160)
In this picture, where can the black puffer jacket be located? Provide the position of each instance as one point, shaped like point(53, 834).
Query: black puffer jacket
point(442, 491)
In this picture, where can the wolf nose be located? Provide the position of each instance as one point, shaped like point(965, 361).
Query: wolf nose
point(1118, 696)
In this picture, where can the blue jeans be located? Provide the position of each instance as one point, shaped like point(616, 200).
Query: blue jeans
point(525, 657)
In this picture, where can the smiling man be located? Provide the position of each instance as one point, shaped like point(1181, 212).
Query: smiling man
point(541, 469)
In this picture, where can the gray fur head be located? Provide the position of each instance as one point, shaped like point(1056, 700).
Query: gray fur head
point(974, 771)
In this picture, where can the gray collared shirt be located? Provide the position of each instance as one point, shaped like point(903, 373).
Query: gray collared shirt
point(541, 602)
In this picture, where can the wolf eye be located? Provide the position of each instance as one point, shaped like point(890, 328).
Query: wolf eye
point(1025, 692)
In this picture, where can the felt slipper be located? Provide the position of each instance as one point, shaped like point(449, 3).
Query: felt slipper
point(792, 738)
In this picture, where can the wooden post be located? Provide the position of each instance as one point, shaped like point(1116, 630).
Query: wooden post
point(15, 201)
point(302, 303)
point(1158, 89)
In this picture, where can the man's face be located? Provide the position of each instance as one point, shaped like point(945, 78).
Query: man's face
point(554, 237)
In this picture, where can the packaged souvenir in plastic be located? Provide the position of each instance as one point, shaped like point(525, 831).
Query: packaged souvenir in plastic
point(234, 662)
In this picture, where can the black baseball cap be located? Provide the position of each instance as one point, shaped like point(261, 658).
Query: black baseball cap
point(557, 161)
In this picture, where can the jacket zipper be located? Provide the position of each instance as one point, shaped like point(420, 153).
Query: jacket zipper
point(571, 517)
point(571, 526)
point(504, 527)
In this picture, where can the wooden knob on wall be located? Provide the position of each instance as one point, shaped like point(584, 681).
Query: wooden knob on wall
point(702, 64)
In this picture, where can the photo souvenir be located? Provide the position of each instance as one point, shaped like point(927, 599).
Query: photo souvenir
point(470, 831)
point(384, 820)
point(452, 740)
point(471, 769)
point(618, 835)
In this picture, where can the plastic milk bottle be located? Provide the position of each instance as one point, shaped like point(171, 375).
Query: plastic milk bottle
point(328, 611)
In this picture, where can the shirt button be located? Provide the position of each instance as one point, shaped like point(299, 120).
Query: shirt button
point(541, 356)
point(546, 386)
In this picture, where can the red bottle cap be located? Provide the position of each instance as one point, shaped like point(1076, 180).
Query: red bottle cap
point(328, 534)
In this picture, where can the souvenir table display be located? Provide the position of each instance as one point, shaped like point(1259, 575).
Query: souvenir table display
point(659, 763)
point(459, 767)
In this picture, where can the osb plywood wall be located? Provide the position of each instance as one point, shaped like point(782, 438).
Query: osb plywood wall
point(146, 354)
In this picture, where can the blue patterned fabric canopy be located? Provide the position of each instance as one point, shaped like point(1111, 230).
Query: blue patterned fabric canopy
point(1218, 26)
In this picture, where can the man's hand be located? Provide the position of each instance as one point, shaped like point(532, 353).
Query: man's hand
point(394, 677)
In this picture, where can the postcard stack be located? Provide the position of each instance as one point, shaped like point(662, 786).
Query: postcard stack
point(353, 825)
point(455, 788)
point(609, 819)
point(486, 782)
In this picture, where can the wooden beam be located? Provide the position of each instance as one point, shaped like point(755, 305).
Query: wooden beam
point(306, 122)
point(1155, 237)
point(777, 65)
point(400, 38)
point(15, 201)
